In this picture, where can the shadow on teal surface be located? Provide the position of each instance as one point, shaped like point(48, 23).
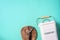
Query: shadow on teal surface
point(1, 38)
point(58, 30)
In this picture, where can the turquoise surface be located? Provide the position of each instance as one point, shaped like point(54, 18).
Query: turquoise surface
point(15, 14)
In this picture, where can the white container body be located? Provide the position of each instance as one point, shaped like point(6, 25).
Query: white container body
point(48, 30)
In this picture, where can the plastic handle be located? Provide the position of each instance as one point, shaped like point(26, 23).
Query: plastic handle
point(46, 18)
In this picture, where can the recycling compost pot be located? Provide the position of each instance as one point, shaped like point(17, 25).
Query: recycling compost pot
point(47, 26)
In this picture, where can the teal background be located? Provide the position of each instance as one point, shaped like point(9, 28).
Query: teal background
point(15, 14)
